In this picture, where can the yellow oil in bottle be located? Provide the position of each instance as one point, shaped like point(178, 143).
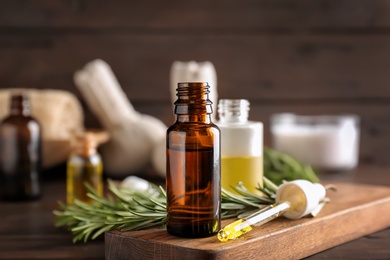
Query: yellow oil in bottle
point(80, 173)
point(84, 166)
point(248, 170)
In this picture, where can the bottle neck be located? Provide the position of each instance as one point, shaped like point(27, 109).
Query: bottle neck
point(233, 110)
point(86, 151)
point(193, 103)
point(86, 145)
point(203, 118)
point(20, 104)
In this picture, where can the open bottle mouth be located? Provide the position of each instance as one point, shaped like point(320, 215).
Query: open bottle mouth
point(20, 102)
point(233, 110)
point(193, 98)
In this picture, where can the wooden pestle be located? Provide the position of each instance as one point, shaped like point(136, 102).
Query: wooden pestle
point(133, 135)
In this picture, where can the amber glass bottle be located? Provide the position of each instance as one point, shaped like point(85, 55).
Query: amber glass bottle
point(20, 152)
point(193, 165)
point(84, 166)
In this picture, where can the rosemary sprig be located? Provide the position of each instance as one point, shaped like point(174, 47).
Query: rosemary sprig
point(126, 209)
point(279, 167)
point(122, 210)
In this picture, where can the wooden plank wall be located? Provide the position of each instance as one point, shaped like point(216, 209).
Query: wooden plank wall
point(303, 56)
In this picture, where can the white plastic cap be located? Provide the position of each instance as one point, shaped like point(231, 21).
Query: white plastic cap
point(303, 195)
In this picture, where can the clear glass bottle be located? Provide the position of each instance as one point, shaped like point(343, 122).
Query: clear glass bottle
point(20, 135)
point(193, 165)
point(241, 146)
point(84, 166)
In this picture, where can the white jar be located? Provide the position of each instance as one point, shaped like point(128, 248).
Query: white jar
point(328, 143)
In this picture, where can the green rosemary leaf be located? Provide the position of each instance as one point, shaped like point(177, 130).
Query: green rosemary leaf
point(119, 195)
point(124, 214)
point(143, 225)
point(246, 193)
point(236, 198)
point(119, 222)
point(269, 185)
point(148, 214)
point(268, 192)
point(102, 230)
point(78, 237)
point(160, 204)
point(232, 206)
point(144, 205)
point(87, 232)
point(163, 191)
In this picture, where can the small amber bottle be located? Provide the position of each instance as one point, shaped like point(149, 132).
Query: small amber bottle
point(84, 166)
point(20, 157)
point(193, 165)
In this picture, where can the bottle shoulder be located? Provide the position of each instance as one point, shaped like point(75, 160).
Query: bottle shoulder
point(76, 158)
point(17, 126)
point(241, 125)
point(194, 126)
point(19, 119)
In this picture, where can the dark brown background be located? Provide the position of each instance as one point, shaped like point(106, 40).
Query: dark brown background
point(309, 57)
point(303, 56)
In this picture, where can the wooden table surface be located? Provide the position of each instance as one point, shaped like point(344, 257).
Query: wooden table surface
point(27, 230)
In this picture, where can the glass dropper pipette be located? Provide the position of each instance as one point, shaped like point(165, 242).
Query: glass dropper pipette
point(294, 200)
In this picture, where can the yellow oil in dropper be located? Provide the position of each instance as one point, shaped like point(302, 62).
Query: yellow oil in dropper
point(293, 200)
point(242, 226)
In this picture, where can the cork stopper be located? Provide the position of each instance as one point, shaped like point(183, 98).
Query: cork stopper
point(87, 142)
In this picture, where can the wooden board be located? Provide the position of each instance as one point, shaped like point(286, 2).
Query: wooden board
point(355, 210)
